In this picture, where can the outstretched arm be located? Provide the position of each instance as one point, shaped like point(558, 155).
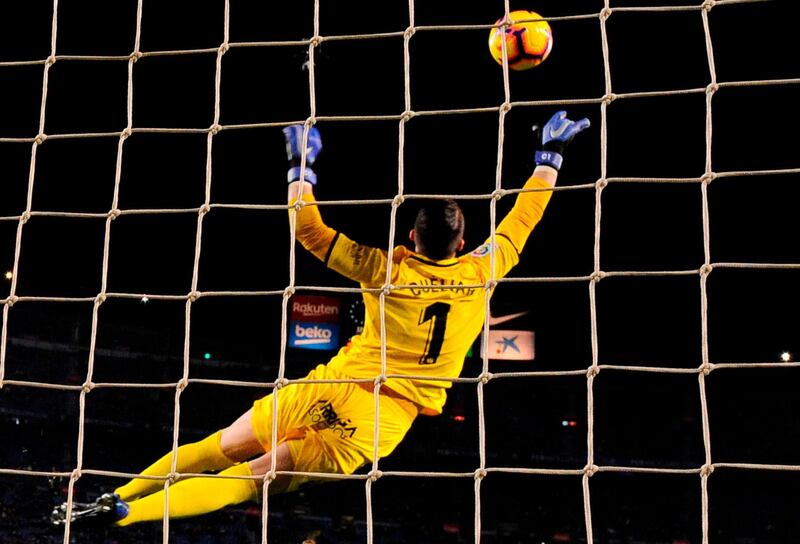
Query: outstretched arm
point(353, 260)
point(529, 207)
point(311, 231)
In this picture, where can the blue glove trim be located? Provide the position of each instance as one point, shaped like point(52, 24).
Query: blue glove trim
point(549, 158)
point(294, 175)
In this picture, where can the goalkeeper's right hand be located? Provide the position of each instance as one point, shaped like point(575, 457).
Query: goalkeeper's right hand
point(556, 134)
point(294, 152)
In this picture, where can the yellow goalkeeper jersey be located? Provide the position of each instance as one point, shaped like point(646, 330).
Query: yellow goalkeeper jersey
point(435, 310)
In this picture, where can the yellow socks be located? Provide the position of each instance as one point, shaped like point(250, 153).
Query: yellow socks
point(195, 496)
point(196, 457)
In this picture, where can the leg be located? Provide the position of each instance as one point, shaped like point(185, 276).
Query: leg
point(202, 495)
point(198, 495)
point(283, 461)
point(219, 451)
point(238, 442)
point(301, 410)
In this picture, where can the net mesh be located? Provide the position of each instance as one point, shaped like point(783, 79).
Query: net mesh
point(484, 468)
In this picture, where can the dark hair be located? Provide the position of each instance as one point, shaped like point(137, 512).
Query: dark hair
point(439, 228)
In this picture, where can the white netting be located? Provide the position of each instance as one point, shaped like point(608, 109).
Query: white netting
point(402, 119)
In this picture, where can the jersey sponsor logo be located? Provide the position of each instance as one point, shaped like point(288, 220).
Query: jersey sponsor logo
point(315, 308)
point(483, 251)
point(323, 415)
point(313, 336)
point(434, 285)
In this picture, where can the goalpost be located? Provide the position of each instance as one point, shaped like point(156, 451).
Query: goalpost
point(484, 468)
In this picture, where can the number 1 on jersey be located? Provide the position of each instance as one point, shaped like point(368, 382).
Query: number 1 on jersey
point(436, 315)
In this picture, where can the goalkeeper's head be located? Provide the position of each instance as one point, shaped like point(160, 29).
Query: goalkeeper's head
point(439, 229)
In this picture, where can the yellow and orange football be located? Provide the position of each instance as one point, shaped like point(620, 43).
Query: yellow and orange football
point(528, 40)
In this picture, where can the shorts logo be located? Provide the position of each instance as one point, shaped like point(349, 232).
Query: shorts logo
point(324, 416)
point(483, 250)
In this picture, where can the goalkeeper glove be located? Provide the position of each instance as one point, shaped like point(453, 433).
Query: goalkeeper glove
point(294, 152)
point(556, 134)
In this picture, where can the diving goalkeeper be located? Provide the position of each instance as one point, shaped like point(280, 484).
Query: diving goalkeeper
point(431, 323)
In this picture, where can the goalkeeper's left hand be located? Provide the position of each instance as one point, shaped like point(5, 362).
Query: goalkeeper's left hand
point(556, 134)
point(294, 152)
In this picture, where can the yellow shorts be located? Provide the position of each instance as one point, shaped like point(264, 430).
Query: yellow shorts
point(330, 427)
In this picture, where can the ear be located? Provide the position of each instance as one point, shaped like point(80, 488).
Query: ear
point(461, 244)
point(412, 235)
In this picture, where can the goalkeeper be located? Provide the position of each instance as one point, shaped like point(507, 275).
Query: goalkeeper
point(329, 427)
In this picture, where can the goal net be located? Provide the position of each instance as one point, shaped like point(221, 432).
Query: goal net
point(150, 273)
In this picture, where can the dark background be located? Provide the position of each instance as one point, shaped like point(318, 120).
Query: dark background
point(641, 419)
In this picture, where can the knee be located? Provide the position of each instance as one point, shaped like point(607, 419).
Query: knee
point(238, 442)
point(283, 461)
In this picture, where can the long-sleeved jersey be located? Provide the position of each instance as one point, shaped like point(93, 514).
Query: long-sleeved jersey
point(435, 310)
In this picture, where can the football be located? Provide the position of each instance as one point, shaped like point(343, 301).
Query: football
point(528, 40)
